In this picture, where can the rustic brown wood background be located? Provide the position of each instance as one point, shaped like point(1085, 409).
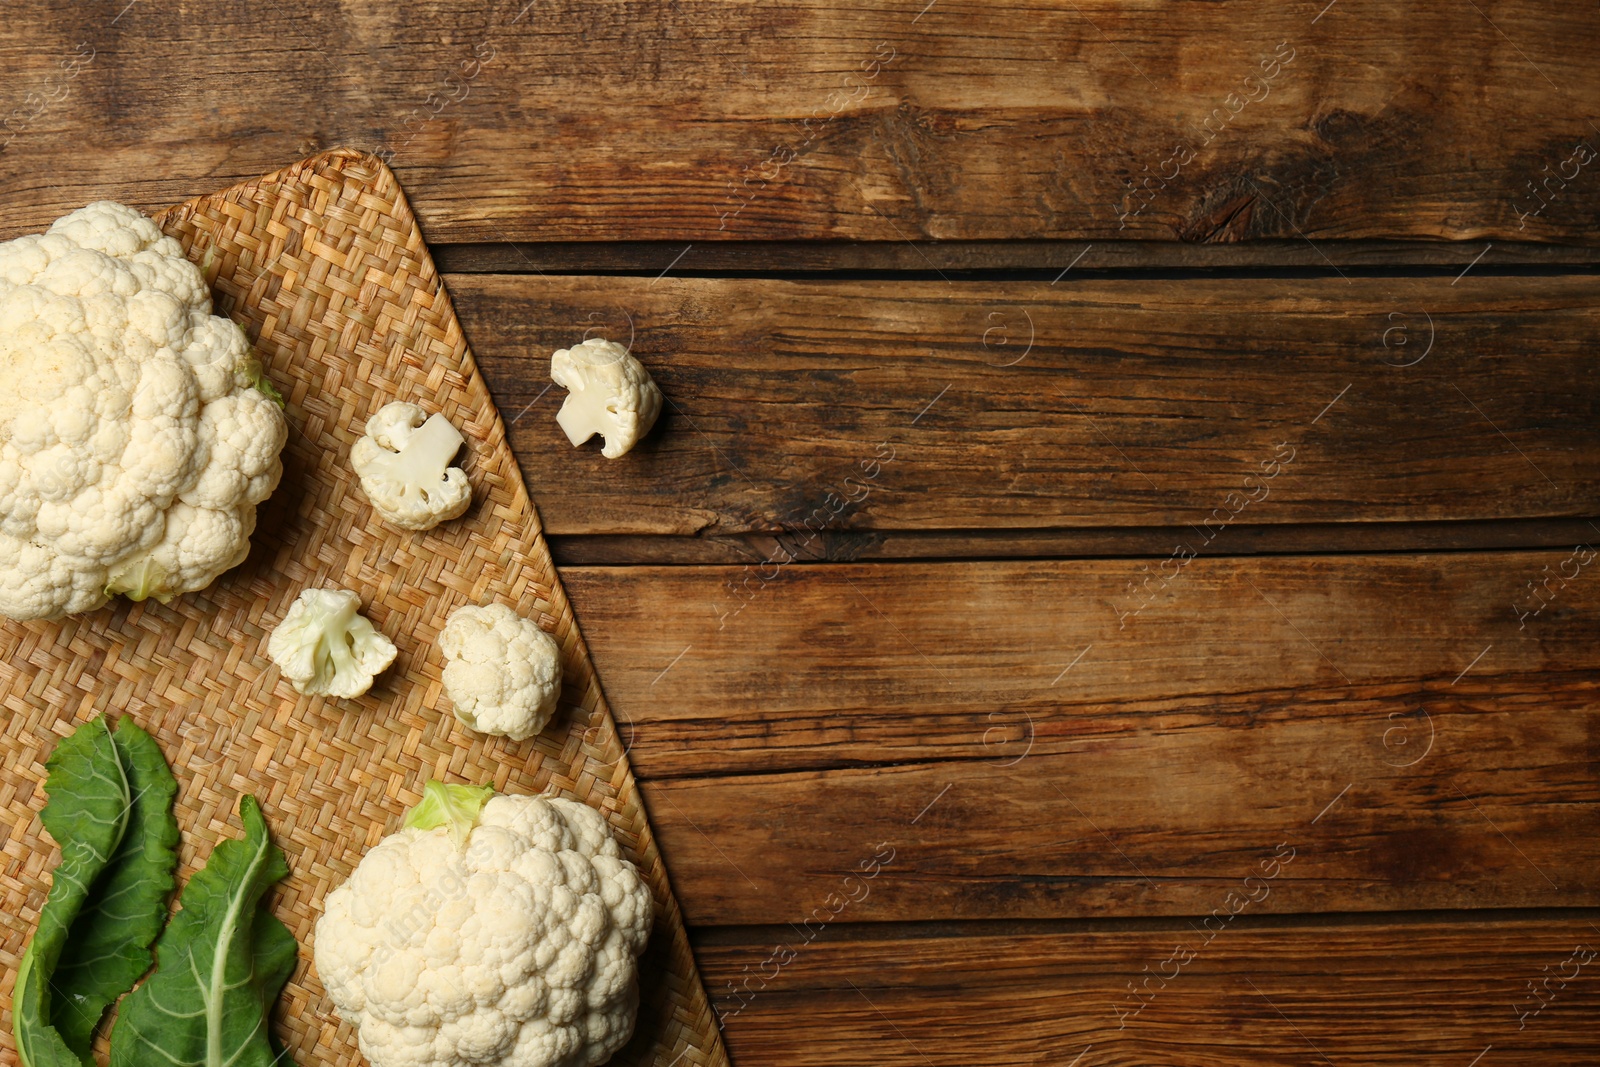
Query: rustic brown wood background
point(1182, 422)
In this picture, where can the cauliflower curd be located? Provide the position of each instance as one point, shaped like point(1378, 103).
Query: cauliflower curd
point(502, 673)
point(497, 932)
point(134, 442)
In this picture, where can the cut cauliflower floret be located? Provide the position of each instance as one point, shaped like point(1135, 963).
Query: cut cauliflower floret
point(404, 466)
point(326, 648)
point(502, 672)
point(610, 393)
point(134, 446)
point(497, 931)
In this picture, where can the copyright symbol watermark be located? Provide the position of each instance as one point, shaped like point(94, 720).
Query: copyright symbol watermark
point(209, 738)
point(1012, 739)
point(1408, 739)
point(610, 733)
point(55, 479)
point(598, 326)
point(1401, 348)
point(1008, 337)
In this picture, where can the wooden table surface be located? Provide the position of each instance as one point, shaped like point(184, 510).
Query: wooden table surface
point(1113, 583)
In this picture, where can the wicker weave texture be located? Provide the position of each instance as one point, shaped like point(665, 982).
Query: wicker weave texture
point(325, 267)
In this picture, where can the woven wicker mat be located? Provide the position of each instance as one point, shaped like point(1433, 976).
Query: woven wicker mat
point(324, 265)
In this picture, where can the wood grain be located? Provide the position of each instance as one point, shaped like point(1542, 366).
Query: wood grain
point(1138, 403)
point(1031, 752)
point(1388, 993)
point(703, 120)
point(830, 666)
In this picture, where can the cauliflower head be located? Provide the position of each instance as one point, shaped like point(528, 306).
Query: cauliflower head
point(404, 466)
point(135, 442)
point(610, 393)
point(493, 931)
point(502, 672)
point(326, 648)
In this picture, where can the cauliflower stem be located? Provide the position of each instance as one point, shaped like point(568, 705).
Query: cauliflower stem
point(140, 580)
point(403, 462)
point(457, 808)
point(334, 648)
point(425, 457)
point(325, 647)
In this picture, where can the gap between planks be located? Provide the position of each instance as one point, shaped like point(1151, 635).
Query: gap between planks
point(848, 546)
point(1018, 260)
point(733, 935)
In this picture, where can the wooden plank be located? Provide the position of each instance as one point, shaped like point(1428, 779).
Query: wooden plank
point(1037, 743)
point(703, 120)
point(1388, 993)
point(1131, 823)
point(848, 665)
point(842, 546)
point(1136, 403)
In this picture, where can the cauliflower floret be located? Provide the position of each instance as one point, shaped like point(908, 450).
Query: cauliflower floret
point(610, 393)
point(500, 931)
point(326, 648)
point(404, 466)
point(134, 444)
point(502, 672)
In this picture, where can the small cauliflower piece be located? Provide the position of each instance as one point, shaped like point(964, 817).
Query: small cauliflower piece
point(489, 930)
point(326, 648)
point(502, 672)
point(137, 435)
point(404, 466)
point(610, 393)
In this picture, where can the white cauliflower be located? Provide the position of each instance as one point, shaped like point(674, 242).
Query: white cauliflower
point(611, 394)
point(502, 672)
point(134, 441)
point(404, 466)
point(326, 648)
point(497, 932)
